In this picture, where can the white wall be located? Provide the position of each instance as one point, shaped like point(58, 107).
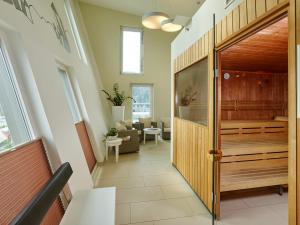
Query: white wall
point(103, 28)
point(34, 50)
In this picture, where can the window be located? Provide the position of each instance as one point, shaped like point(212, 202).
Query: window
point(69, 92)
point(132, 51)
point(228, 2)
point(191, 93)
point(75, 31)
point(143, 95)
point(14, 126)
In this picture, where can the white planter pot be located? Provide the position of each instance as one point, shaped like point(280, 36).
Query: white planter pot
point(118, 113)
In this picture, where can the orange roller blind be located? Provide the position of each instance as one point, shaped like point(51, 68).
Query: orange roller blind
point(86, 145)
point(23, 173)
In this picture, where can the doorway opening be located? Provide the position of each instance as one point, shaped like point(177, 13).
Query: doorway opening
point(253, 125)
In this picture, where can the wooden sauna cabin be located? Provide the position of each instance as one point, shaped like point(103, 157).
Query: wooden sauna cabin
point(253, 115)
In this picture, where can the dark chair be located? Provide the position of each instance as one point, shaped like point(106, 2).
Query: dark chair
point(131, 145)
point(140, 127)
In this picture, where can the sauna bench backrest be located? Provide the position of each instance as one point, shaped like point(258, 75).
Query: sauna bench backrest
point(248, 128)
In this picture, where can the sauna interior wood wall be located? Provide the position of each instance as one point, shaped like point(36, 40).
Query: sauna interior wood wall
point(254, 95)
point(230, 26)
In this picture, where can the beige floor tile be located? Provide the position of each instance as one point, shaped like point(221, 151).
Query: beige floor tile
point(282, 211)
point(232, 204)
point(165, 179)
point(196, 205)
point(123, 214)
point(119, 183)
point(264, 200)
point(114, 171)
point(146, 223)
point(139, 194)
point(158, 210)
point(252, 216)
point(179, 221)
point(177, 191)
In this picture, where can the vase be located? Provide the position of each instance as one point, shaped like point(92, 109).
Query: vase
point(184, 112)
point(118, 113)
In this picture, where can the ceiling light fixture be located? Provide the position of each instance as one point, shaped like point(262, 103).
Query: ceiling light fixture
point(153, 20)
point(169, 26)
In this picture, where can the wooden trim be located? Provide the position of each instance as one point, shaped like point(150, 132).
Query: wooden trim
point(259, 23)
point(293, 217)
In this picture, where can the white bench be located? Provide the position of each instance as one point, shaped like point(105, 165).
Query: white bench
point(92, 207)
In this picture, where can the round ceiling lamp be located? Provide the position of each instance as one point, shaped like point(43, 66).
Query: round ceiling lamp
point(169, 26)
point(153, 20)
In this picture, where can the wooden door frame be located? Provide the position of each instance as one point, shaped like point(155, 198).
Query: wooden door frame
point(286, 8)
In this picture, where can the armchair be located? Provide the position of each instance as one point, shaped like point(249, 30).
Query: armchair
point(140, 127)
point(165, 129)
point(131, 145)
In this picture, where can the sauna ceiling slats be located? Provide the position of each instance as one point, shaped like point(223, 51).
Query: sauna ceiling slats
point(266, 51)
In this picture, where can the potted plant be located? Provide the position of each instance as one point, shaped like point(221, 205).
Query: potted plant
point(187, 98)
point(117, 98)
point(111, 134)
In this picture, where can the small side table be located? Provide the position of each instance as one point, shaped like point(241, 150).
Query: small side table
point(113, 143)
point(152, 131)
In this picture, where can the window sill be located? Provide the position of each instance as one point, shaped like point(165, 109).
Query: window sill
point(131, 74)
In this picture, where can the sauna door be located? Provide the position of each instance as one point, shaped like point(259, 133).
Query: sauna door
point(216, 152)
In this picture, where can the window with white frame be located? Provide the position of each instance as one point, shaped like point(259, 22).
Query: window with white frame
point(14, 125)
point(70, 94)
point(228, 2)
point(143, 105)
point(75, 31)
point(132, 50)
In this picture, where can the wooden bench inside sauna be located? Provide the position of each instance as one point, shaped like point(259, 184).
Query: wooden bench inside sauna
point(255, 154)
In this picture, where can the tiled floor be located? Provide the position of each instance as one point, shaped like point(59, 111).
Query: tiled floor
point(151, 192)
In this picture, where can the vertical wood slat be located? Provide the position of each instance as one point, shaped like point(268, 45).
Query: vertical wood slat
point(229, 23)
point(224, 29)
point(260, 7)
point(190, 157)
point(219, 32)
point(271, 4)
point(251, 10)
point(236, 19)
point(23, 173)
point(243, 14)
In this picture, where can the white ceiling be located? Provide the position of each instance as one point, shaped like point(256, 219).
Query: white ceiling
point(139, 7)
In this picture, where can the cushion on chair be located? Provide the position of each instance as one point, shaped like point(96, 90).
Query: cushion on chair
point(127, 123)
point(120, 126)
point(167, 122)
point(146, 122)
point(167, 130)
